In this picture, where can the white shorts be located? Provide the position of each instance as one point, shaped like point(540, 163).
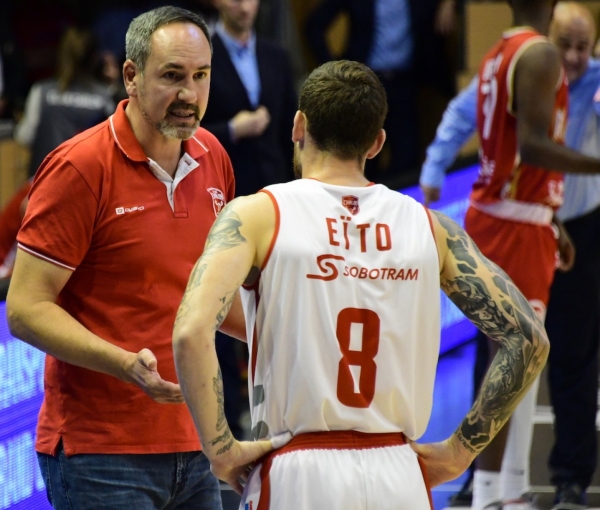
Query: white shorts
point(342, 470)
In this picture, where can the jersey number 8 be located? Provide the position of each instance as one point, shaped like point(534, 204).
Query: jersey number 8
point(364, 359)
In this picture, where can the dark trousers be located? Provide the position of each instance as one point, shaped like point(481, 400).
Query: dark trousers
point(573, 326)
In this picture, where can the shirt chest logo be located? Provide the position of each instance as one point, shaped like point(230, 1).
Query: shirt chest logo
point(218, 199)
point(123, 210)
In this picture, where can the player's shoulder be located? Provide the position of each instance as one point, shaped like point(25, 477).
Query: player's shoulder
point(539, 50)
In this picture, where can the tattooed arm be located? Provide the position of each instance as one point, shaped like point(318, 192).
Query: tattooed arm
point(489, 298)
point(237, 243)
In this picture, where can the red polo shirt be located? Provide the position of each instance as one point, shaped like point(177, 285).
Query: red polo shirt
point(131, 236)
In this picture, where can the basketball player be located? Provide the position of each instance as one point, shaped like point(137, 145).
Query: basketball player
point(340, 282)
point(521, 120)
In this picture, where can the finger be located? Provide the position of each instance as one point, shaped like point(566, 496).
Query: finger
point(280, 440)
point(422, 450)
point(256, 449)
point(147, 359)
point(166, 392)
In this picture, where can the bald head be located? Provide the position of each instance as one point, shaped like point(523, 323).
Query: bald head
point(573, 30)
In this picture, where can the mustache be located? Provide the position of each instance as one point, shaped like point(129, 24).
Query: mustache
point(180, 105)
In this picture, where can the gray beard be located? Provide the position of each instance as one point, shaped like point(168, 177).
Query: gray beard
point(168, 130)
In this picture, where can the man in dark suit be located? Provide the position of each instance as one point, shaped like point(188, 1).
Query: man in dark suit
point(402, 41)
point(251, 111)
point(252, 100)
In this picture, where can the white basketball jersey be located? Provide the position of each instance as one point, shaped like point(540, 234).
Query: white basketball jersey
point(343, 324)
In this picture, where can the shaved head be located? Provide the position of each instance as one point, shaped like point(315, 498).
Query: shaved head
point(573, 30)
point(573, 14)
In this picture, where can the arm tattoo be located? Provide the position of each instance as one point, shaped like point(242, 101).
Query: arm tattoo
point(223, 235)
point(218, 389)
point(225, 232)
point(226, 436)
point(193, 283)
point(489, 298)
point(227, 301)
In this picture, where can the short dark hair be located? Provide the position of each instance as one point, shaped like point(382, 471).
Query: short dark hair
point(138, 38)
point(345, 105)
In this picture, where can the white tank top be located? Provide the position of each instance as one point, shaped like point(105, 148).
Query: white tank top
point(344, 322)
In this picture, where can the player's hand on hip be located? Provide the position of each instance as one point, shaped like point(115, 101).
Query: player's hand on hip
point(234, 465)
point(143, 371)
point(444, 461)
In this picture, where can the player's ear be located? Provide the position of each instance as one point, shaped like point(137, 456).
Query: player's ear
point(299, 128)
point(377, 145)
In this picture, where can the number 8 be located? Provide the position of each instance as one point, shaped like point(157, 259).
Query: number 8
point(363, 358)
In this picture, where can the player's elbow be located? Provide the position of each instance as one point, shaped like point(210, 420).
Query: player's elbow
point(17, 317)
point(533, 148)
point(182, 339)
point(541, 350)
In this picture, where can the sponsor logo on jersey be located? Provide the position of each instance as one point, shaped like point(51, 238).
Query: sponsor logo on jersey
point(330, 271)
point(218, 198)
point(350, 202)
point(123, 210)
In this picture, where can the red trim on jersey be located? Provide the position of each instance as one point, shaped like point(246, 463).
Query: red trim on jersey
point(264, 501)
point(426, 480)
point(340, 440)
point(254, 351)
point(276, 232)
point(432, 231)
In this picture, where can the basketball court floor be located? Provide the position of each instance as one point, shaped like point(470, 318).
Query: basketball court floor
point(452, 399)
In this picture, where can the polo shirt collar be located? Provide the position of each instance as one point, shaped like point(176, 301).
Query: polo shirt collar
point(129, 144)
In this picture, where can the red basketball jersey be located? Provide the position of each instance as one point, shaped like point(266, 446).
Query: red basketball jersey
point(502, 175)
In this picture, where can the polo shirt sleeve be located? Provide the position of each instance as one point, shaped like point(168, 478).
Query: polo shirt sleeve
point(60, 216)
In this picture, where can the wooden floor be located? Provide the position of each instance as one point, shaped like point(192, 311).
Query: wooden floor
point(452, 399)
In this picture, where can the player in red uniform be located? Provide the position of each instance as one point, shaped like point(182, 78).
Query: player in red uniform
point(522, 111)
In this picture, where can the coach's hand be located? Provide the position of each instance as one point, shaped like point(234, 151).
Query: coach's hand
point(142, 369)
point(236, 463)
point(444, 461)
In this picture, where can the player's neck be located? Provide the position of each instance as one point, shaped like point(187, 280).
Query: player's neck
point(331, 170)
point(539, 20)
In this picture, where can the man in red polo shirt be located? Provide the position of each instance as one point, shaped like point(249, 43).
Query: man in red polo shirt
point(117, 217)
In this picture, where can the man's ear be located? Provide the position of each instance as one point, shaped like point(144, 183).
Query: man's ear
point(299, 129)
point(377, 145)
point(130, 72)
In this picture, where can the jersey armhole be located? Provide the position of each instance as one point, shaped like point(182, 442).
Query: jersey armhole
point(428, 212)
point(513, 64)
point(276, 231)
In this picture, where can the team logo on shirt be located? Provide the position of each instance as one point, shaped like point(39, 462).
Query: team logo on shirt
point(218, 198)
point(350, 202)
